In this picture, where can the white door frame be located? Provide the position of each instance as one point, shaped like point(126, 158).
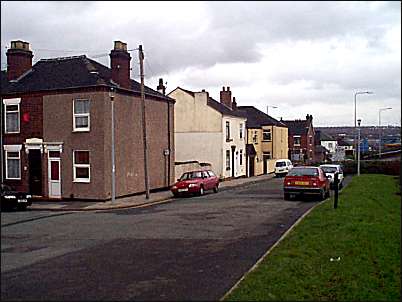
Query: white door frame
point(51, 182)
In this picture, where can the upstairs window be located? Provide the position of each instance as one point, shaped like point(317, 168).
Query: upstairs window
point(81, 166)
point(241, 130)
point(81, 118)
point(266, 135)
point(296, 140)
point(12, 115)
point(227, 131)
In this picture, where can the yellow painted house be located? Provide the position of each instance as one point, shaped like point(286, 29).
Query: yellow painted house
point(267, 141)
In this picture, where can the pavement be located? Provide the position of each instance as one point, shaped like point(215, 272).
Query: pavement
point(132, 201)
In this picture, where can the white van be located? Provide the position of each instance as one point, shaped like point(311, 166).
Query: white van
point(282, 167)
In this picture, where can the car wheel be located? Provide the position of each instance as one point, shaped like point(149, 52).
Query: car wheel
point(286, 196)
point(322, 194)
point(328, 193)
point(175, 195)
point(201, 190)
point(216, 189)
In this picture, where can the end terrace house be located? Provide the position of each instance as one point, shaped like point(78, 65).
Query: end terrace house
point(56, 130)
point(210, 132)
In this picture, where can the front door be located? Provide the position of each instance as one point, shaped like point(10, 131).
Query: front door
point(54, 174)
point(35, 172)
point(251, 171)
point(265, 163)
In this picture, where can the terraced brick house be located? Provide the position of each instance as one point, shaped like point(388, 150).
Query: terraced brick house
point(56, 130)
point(267, 141)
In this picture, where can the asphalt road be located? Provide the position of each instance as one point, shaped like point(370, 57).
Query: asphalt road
point(190, 249)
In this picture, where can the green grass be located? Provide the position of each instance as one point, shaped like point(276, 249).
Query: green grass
point(364, 231)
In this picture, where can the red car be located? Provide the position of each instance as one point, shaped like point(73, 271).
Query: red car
point(306, 180)
point(196, 182)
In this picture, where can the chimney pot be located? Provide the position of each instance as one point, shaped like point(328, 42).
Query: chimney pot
point(228, 88)
point(118, 45)
point(161, 88)
point(223, 88)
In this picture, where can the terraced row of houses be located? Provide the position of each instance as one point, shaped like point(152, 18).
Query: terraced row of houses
point(56, 129)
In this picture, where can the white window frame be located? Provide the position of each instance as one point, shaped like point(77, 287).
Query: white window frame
point(296, 136)
point(241, 157)
point(81, 180)
point(227, 131)
point(12, 102)
point(81, 129)
point(14, 149)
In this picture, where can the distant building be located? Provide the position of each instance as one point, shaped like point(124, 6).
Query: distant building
point(301, 140)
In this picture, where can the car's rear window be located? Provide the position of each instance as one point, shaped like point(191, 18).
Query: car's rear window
point(191, 175)
point(329, 169)
point(303, 172)
point(280, 164)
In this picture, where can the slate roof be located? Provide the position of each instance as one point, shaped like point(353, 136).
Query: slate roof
point(64, 73)
point(297, 127)
point(223, 109)
point(326, 137)
point(257, 118)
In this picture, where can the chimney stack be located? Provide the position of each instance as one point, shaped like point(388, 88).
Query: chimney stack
point(120, 64)
point(161, 88)
point(226, 97)
point(19, 59)
point(234, 104)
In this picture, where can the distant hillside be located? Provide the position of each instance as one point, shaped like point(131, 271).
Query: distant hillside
point(366, 131)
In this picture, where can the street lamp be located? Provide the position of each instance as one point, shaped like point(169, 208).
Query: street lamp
point(379, 128)
point(359, 92)
point(271, 107)
point(358, 150)
point(111, 95)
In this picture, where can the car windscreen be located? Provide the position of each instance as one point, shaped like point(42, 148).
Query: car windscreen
point(280, 164)
point(191, 175)
point(329, 169)
point(303, 172)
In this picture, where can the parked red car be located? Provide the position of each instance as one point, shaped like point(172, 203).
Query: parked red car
point(196, 182)
point(306, 180)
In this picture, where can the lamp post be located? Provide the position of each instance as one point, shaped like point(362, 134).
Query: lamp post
point(356, 93)
point(379, 128)
point(111, 95)
point(271, 107)
point(358, 150)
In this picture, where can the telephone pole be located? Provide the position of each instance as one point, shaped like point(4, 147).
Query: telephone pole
point(144, 130)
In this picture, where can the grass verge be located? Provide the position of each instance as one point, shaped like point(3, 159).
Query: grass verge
point(362, 236)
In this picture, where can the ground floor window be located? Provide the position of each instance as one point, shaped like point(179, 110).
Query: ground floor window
point(227, 159)
point(241, 157)
point(13, 165)
point(81, 166)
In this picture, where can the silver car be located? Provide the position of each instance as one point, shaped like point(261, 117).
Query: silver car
point(330, 171)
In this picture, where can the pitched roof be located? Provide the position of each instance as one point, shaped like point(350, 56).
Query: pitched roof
point(64, 73)
point(223, 109)
point(257, 118)
point(297, 127)
point(326, 137)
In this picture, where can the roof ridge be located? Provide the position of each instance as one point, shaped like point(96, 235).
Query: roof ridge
point(63, 58)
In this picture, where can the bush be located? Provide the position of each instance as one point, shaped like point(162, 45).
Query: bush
point(372, 167)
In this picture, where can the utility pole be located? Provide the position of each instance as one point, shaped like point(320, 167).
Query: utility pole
point(144, 130)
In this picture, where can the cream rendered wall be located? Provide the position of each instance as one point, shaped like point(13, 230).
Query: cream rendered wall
point(234, 122)
point(198, 130)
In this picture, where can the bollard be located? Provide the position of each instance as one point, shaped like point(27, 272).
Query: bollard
point(336, 188)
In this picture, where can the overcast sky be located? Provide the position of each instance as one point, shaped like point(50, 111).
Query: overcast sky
point(302, 57)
